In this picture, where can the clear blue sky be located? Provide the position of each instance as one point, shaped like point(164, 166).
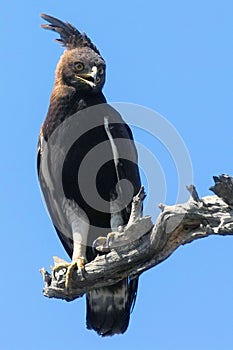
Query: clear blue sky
point(175, 57)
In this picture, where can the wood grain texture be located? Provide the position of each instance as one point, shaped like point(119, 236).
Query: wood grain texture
point(142, 245)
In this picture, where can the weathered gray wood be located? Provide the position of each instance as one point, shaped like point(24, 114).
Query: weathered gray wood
point(143, 245)
point(223, 188)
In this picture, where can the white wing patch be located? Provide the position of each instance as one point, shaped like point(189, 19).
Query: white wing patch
point(113, 145)
point(115, 203)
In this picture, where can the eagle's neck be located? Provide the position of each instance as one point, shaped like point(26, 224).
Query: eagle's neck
point(64, 102)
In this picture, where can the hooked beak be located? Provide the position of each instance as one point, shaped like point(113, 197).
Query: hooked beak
point(89, 78)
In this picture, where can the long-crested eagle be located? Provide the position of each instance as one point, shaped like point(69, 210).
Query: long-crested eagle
point(87, 168)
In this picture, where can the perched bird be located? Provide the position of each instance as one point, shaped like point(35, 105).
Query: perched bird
point(87, 169)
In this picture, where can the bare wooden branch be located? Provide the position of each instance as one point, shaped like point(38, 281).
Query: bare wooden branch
point(223, 188)
point(143, 245)
point(192, 190)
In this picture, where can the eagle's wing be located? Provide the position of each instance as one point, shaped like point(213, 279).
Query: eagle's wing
point(64, 213)
point(125, 159)
point(119, 297)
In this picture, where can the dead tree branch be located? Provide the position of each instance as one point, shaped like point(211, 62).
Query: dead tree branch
point(142, 245)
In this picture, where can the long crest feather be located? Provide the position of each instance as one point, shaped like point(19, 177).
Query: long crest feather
point(70, 37)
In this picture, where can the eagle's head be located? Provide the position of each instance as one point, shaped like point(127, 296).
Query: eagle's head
point(81, 66)
point(83, 69)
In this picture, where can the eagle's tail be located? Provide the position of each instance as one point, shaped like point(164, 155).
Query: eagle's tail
point(108, 308)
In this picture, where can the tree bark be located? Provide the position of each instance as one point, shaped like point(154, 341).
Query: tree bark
point(142, 245)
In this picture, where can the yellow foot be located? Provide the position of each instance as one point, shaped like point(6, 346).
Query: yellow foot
point(78, 264)
point(105, 244)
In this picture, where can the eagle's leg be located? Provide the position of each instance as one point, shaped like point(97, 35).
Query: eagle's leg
point(79, 226)
point(104, 243)
point(78, 260)
point(80, 229)
point(121, 234)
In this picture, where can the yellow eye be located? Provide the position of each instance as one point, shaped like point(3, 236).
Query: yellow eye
point(101, 71)
point(79, 66)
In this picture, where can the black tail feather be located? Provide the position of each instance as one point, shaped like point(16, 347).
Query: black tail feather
point(108, 308)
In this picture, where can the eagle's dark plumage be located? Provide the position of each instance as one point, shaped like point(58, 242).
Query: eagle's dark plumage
point(97, 132)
